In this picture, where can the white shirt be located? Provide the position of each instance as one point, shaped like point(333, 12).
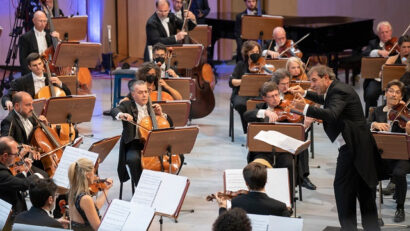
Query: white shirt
point(261, 113)
point(28, 126)
point(41, 40)
point(178, 14)
point(250, 12)
point(39, 82)
point(165, 22)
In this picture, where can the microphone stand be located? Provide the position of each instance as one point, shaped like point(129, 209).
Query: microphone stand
point(108, 112)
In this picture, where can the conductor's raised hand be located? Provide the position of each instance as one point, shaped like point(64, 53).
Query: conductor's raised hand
point(298, 102)
point(297, 89)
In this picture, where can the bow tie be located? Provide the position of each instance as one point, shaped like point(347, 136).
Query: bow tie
point(42, 33)
point(39, 79)
point(166, 20)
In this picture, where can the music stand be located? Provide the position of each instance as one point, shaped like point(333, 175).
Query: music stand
point(170, 141)
point(259, 27)
point(252, 83)
point(294, 130)
point(391, 146)
point(391, 72)
point(70, 81)
point(184, 85)
point(38, 105)
point(71, 28)
point(60, 110)
point(76, 54)
point(202, 34)
point(103, 147)
point(186, 56)
point(178, 110)
point(371, 67)
point(277, 63)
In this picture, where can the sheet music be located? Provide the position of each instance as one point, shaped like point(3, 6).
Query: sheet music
point(280, 140)
point(140, 215)
point(116, 215)
point(259, 222)
point(147, 189)
point(5, 209)
point(70, 155)
point(277, 184)
point(24, 227)
point(285, 223)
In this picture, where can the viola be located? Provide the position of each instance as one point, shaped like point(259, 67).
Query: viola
point(391, 44)
point(228, 195)
point(400, 113)
point(260, 66)
point(283, 110)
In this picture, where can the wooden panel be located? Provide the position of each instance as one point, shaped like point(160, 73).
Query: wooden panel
point(177, 110)
point(70, 81)
point(252, 83)
point(391, 72)
point(122, 30)
point(251, 104)
point(185, 87)
point(277, 63)
point(371, 67)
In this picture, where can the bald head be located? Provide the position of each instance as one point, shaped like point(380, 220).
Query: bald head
point(279, 35)
point(40, 20)
point(162, 8)
point(23, 104)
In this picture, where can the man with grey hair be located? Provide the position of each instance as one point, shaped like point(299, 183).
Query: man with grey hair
point(345, 125)
point(279, 37)
point(130, 112)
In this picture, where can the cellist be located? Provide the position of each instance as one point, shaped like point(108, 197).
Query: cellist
point(32, 82)
point(133, 110)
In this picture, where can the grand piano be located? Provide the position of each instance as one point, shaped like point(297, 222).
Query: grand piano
point(329, 35)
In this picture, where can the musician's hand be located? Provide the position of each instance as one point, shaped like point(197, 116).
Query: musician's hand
point(157, 109)
point(172, 73)
point(381, 126)
point(36, 155)
point(221, 201)
point(236, 82)
point(43, 119)
point(308, 121)
point(64, 222)
point(109, 183)
point(9, 105)
point(298, 102)
point(55, 34)
point(124, 99)
point(408, 127)
point(271, 115)
point(29, 163)
point(56, 81)
point(180, 35)
point(200, 14)
point(163, 84)
point(190, 15)
point(297, 89)
point(126, 116)
point(273, 54)
point(383, 53)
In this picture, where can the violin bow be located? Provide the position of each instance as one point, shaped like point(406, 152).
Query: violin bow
point(294, 44)
point(398, 114)
point(270, 45)
point(394, 46)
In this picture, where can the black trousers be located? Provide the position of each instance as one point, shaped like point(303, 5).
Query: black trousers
point(133, 160)
point(372, 89)
point(349, 186)
point(239, 104)
point(401, 168)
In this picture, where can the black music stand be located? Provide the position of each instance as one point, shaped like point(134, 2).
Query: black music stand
point(60, 110)
point(391, 146)
point(179, 140)
point(259, 27)
point(294, 130)
point(76, 54)
point(252, 83)
point(72, 28)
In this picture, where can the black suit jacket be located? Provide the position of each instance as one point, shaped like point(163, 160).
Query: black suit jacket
point(156, 32)
point(11, 187)
point(406, 80)
point(128, 135)
point(37, 216)
point(27, 45)
point(201, 5)
point(373, 44)
point(259, 203)
point(240, 69)
point(343, 113)
point(26, 83)
point(250, 116)
point(12, 125)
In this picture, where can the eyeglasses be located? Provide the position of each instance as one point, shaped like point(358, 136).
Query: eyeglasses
point(392, 91)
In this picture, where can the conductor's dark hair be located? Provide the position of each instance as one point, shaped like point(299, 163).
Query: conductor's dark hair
point(32, 57)
point(40, 190)
point(322, 71)
point(232, 220)
point(255, 175)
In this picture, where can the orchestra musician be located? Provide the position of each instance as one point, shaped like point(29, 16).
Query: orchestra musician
point(375, 48)
point(406, 80)
point(177, 8)
point(135, 110)
point(398, 168)
point(32, 82)
point(250, 10)
point(43, 199)
point(50, 7)
point(84, 211)
point(346, 127)
point(251, 51)
point(233, 220)
point(162, 26)
point(160, 57)
point(256, 201)
point(279, 36)
point(36, 40)
point(296, 69)
point(11, 187)
point(404, 47)
point(201, 9)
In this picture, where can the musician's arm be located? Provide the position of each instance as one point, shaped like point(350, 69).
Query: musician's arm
point(117, 111)
point(313, 96)
point(65, 89)
point(5, 127)
point(87, 204)
point(337, 103)
point(23, 53)
point(154, 36)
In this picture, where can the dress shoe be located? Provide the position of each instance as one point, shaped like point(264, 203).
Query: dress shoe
point(399, 216)
point(308, 184)
point(389, 190)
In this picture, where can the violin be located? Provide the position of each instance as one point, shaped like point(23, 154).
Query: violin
point(228, 195)
point(400, 113)
point(283, 110)
point(285, 51)
point(260, 66)
point(63, 209)
point(98, 185)
point(19, 164)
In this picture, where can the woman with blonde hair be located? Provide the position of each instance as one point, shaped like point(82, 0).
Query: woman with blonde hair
point(296, 68)
point(84, 211)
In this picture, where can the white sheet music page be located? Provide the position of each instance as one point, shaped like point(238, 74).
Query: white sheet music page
point(279, 140)
point(259, 222)
point(24, 227)
point(285, 223)
point(234, 180)
point(4, 212)
point(147, 188)
point(70, 155)
point(140, 215)
point(116, 215)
